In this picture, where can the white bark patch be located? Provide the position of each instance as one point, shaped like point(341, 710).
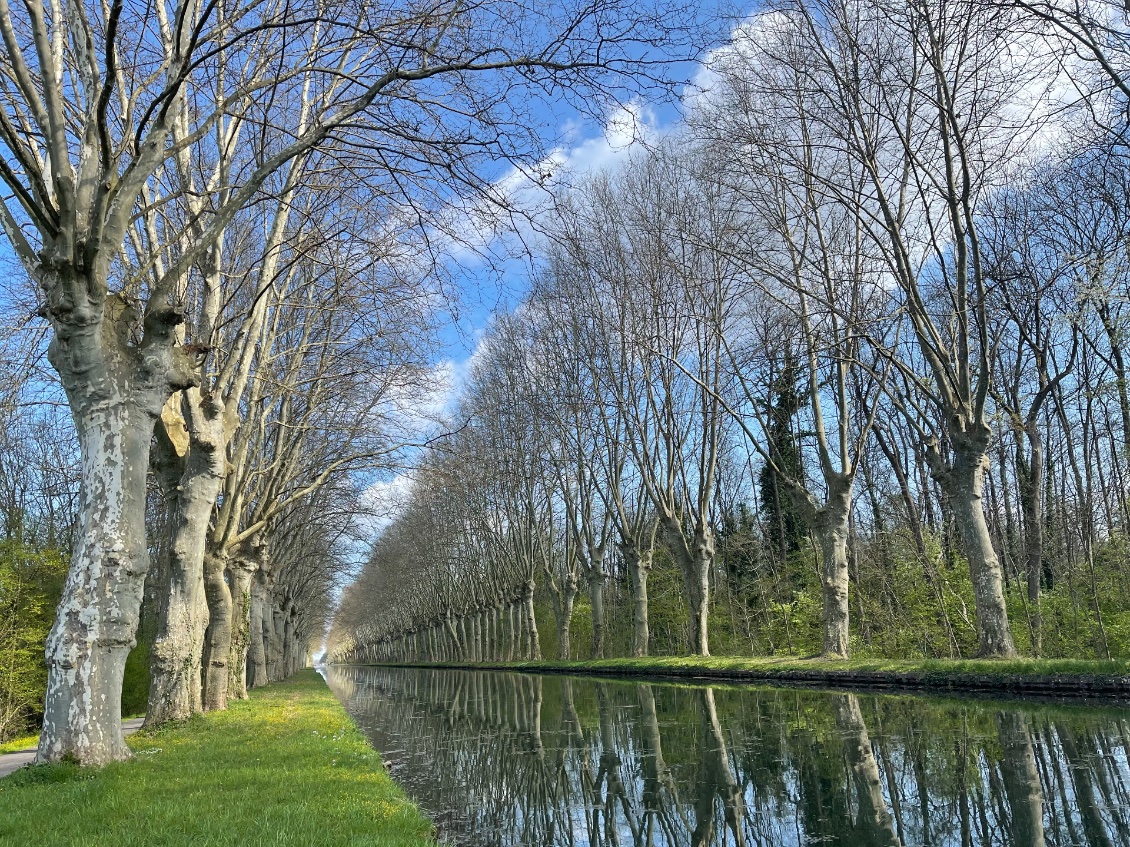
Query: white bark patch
point(97, 616)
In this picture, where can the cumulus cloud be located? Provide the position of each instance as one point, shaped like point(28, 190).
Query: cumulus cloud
point(627, 127)
point(382, 502)
point(523, 193)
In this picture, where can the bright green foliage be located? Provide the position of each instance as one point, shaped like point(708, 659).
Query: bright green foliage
point(30, 583)
point(1086, 612)
point(903, 605)
point(135, 685)
point(907, 607)
point(287, 767)
point(22, 742)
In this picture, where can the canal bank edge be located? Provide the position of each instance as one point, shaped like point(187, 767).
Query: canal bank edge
point(288, 767)
point(1050, 678)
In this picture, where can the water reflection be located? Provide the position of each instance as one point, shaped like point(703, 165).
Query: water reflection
point(514, 759)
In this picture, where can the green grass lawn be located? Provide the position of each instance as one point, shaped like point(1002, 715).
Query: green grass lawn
point(287, 767)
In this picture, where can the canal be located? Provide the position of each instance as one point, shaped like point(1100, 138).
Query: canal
point(501, 760)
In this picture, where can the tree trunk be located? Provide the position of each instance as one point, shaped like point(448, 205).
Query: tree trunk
point(241, 572)
point(175, 655)
point(217, 637)
point(639, 567)
point(492, 647)
point(596, 600)
point(485, 638)
point(696, 560)
point(115, 391)
point(831, 529)
point(287, 644)
point(97, 617)
point(276, 629)
point(564, 612)
point(257, 652)
point(512, 630)
point(532, 621)
point(963, 483)
point(451, 651)
point(1032, 501)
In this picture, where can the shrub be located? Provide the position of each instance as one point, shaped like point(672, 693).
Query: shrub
point(30, 585)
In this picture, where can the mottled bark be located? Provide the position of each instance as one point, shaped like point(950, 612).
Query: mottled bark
point(531, 620)
point(696, 560)
point(97, 616)
point(494, 640)
point(596, 582)
point(639, 567)
point(451, 652)
point(217, 637)
point(512, 631)
point(563, 612)
point(288, 644)
point(464, 646)
point(241, 572)
point(275, 629)
point(963, 481)
point(476, 637)
point(193, 444)
point(115, 391)
point(831, 529)
point(257, 652)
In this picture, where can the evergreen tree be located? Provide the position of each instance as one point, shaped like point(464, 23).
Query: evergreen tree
point(785, 528)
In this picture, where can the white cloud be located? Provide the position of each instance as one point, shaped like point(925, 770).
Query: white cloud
point(627, 127)
point(524, 193)
point(382, 502)
point(449, 379)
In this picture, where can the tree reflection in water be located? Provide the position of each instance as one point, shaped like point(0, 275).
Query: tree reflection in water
point(514, 759)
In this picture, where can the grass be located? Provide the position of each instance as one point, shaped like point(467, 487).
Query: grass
point(287, 767)
point(786, 664)
point(983, 671)
point(17, 744)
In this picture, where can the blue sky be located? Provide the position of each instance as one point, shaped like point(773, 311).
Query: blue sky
point(496, 280)
point(578, 144)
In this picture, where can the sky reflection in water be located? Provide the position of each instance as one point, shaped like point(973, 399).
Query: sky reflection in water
point(513, 759)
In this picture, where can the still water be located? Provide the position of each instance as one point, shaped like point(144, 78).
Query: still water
point(512, 759)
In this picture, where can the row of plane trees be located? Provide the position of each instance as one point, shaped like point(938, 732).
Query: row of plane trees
point(184, 183)
point(255, 478)
point(854, 282)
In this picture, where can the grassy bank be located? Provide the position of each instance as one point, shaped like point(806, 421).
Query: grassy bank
point(1051, 677)
point(287, 767)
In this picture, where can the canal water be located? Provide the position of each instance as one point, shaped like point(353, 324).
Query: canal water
point(500, 760)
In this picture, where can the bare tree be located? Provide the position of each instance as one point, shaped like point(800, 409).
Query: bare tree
point(92, 99)
point(929, 137)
